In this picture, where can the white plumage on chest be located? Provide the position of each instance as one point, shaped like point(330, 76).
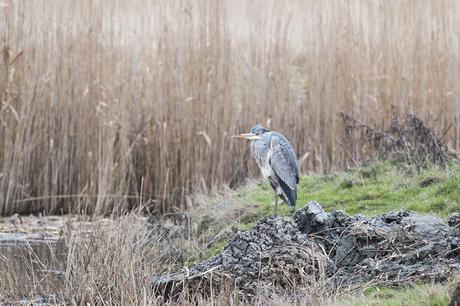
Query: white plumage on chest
point(266, 168)
point(263, 160)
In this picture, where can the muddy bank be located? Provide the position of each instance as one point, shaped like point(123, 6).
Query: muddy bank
point(333, 248)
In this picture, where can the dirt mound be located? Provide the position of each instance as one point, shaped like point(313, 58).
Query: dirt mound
point(332, 247)
point(274, 251)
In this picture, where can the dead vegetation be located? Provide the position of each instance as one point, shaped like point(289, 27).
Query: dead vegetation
point(106, 104)
point(100, 262)
point(408, 142)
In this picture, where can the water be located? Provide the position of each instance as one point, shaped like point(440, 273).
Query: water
point(31, 266)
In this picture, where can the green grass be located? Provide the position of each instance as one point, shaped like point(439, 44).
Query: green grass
point(417, 295)
point(371, 190)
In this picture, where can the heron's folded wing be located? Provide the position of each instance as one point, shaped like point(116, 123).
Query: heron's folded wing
point(284, 161)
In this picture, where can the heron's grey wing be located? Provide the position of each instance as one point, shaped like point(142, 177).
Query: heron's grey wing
point(283, 160)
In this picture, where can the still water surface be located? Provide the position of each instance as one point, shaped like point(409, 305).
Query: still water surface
point(31, 265)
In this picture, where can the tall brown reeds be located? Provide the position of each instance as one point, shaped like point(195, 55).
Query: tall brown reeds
point(105, 104)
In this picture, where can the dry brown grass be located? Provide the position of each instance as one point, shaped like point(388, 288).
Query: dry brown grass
point(104, 104)
point(108, 262)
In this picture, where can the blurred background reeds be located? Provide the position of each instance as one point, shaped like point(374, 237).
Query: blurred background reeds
point(106, 104)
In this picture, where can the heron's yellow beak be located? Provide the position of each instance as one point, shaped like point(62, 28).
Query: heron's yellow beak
point(249, 136)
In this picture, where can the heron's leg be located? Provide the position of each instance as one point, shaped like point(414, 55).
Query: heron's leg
point(276, 205)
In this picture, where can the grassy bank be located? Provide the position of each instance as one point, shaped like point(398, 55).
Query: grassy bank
point(368, 190)
point(374, 189)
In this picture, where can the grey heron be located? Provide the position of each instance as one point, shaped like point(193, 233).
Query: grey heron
point(277, 161)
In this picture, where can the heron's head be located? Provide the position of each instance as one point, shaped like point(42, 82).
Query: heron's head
point(255, 133)
point(258, 129)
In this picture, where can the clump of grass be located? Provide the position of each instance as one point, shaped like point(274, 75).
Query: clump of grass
point(415, 295)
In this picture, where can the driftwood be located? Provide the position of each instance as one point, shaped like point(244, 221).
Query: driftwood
point(332, 248)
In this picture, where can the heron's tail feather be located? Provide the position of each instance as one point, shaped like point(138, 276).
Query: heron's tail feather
point(288, 195)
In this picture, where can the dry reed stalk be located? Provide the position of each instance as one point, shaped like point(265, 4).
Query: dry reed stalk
point(101, 98)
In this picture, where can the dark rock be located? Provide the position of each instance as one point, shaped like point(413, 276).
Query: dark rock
point(454, 219)
point(311, 218)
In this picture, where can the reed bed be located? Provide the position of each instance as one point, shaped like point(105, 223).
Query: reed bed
point(107, 104)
